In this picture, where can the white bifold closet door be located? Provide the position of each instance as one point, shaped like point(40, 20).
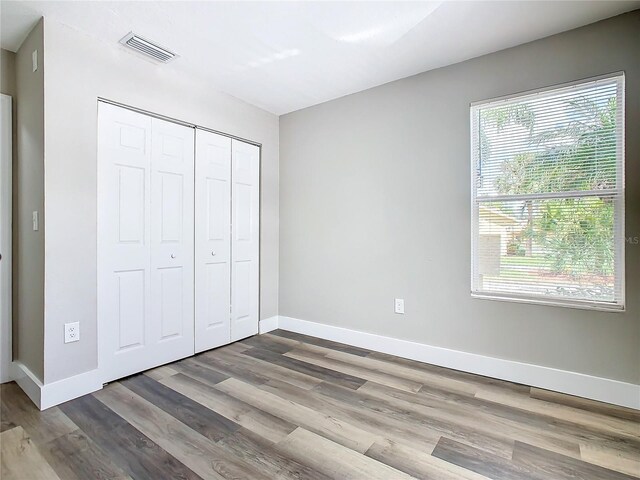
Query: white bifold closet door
point(145, 241)
point(227, 239)
point(245, 239)
point(213, 240)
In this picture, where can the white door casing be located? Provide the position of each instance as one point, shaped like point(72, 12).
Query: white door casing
point(145, 241)
point(5, 238)
point(245, 228)
point(213, 240)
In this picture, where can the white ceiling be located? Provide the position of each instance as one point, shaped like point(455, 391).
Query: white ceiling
point(284, 56)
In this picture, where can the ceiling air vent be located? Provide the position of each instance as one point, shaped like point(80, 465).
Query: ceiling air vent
point(147, 48)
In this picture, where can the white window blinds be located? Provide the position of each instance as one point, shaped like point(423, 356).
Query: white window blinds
point(548, 196)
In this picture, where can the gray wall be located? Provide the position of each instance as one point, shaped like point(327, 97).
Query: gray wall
point(28, 187)
point(7, 72)
point(79, 70)
point(375, 204)
point(8, 87)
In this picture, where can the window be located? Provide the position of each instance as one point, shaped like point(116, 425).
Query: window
point(548, 196)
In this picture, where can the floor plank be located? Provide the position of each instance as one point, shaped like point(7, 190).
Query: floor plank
point(606, 441)
point(335, 460)
point(6, 422)
point(194, 450)
point(554, 465)
point(418, 463)
point(453, 375)
point(216, 362)
point(262, 342)
point(337, 430)
point(482, 462)
point(161, 372)
point(41, 427)
point(586, 404)
point(321, 342)
point(200, 372)
point(263, 455)
point(349, 368)
point(418, 375)
point(206, 422)
point(129, 448)
point(463, 427)
point(347, 405)
point(611, 459)
point(21, 459)
point(273, 371)
point(598, 421)
point(258, 421)
point(307, 368)
point(75, 456)
point(474, 425)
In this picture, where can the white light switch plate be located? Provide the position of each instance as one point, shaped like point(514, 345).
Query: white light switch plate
point(35, 221)
point(34, 60)
point(71, 332)
point(399, 305)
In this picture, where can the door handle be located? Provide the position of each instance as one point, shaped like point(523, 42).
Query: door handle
point(173, 255)
point(213, 254)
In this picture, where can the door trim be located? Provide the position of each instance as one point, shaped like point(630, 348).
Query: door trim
point(6, 189)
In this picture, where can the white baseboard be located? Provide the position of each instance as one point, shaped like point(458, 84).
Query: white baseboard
point(572, 383)
point(268, 324)
point(27, 381)
point(55, 393)
point(50, 394)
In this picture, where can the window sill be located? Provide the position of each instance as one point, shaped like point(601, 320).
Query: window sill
point(579, 304)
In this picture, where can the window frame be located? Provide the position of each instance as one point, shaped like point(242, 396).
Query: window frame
point(618, 193)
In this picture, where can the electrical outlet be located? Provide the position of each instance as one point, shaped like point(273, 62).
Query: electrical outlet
point(71, 332)
point(399, 305)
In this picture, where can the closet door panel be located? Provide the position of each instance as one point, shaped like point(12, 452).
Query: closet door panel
point(172, 173)
point(172, 299)
point(245, 243)
point(124, 269)
point(131, 308)
point(131, 204)
point(213, 242)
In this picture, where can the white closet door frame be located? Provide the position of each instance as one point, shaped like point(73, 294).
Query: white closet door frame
point(138, 168)
point(245, 243)
point(5, 237)
point(244, 283)
point(213, 240)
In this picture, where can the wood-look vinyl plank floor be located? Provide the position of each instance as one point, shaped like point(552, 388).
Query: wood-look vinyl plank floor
point(382, 423)
point(419, 463)
point(127, 445)
point(21, 458)
point(289, 406)
point(328, 426)
point(258, 421)
point(75, 456)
